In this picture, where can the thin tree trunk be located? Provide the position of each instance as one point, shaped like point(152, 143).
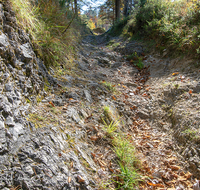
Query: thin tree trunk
point(68, 24)
point(117, 10)
point(125, 12)
point(76, 8)
point(113, 13)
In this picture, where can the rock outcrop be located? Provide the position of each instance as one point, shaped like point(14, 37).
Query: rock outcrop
point(32, 158)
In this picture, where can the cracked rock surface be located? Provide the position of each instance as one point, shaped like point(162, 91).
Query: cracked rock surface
point(51, 130)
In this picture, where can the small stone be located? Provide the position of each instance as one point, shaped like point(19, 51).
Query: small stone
point(73, 95)
point(130, 84)
point(27, 53)
point(8, 87)
point(16, 130)
point(9, 121)
point(143, 114)
point(58, 102)
point(28, 169)
point(104, 61)
point(88, 96)
point(116, 65)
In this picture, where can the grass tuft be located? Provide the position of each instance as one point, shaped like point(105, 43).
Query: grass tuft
point(109, 86)
point(125, 151)
point(128, 177)
point(45, 22)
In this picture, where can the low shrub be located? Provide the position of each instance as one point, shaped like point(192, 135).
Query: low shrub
point(173, 25)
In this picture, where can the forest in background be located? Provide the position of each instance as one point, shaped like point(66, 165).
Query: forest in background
point(56, 26)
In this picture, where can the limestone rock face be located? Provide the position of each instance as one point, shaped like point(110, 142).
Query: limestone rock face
point(32, 158)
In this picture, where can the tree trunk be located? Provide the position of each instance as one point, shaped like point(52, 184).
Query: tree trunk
point(113, 13)
point(76, 8)
point(117, 10)
point(125, 12)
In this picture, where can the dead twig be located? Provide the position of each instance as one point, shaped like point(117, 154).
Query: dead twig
point(69, 24)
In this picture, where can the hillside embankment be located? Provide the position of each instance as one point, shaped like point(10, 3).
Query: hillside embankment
point(52, 135)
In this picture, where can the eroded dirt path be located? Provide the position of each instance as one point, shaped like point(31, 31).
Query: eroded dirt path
point(147, 101)
point(154, 102)
point(52, 135)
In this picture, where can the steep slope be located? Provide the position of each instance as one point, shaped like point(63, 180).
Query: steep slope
point(52, 135)
point(32, 158)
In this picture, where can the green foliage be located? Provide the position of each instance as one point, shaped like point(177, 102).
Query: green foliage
point(109, 86)
point(139, 63)
point(151, 12)
point(136, 60)
point(45, 22)
point(125, 152)
point(117, 29)
point(112, 127)
point(34, 118)
point(189, 131)
point(172, 25)
point(27, 100)
point(128, 177)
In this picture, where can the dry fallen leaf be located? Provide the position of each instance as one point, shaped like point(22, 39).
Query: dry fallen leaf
point(155, 185)
point(113, 98)
point(173, 167)
point(80, 179)
point(147, 89)
point(134, 107)
point(94, 155)
point(118, 171)
point(188, 175)
point(182, 178)
point(126, 96)
point(176, 73)
point(94, 138)
point(65, 107)
point(145, 137)
point(69, 179)
point(111, 169)
point(136, 123)
point(102, 163)
point(100, 155)
point(51, 104)
point(145, 94)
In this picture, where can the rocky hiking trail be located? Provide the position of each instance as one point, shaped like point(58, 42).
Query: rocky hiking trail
point(52, 133)
point(151, 101)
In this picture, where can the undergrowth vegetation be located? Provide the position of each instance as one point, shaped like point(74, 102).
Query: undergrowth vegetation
point(172, 25)
point(48, 22)
point(128, 177)
point(123, 146)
